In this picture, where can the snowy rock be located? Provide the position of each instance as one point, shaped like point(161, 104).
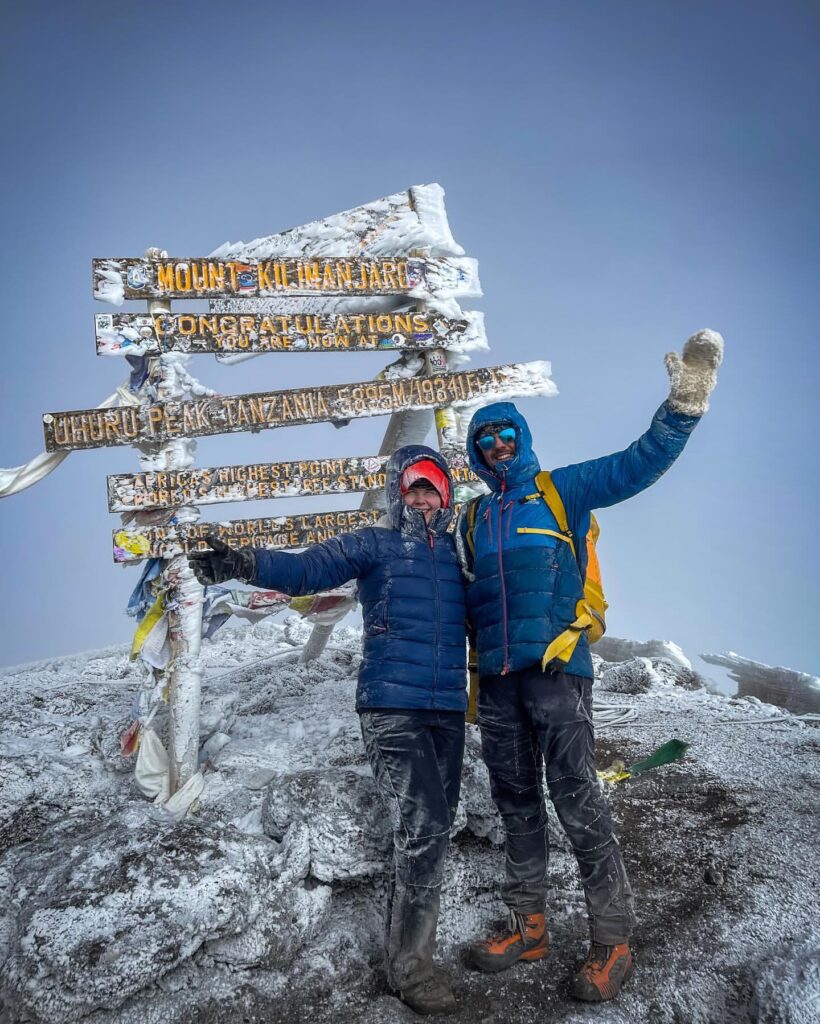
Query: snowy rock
point(634, 676)
point(613, 648)
point(639, 675)
point(348, 832)
point(103, 906)
point(482, 818)
point(798, 692)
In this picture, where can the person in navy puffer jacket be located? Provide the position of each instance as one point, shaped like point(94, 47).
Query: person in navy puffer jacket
point(534, 707)
point(411, 694)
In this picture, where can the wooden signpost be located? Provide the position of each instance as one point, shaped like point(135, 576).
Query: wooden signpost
point(103, 428)
point(140, 333)
point(134, 545)
point(206, 278)
point(261, 480)
point(385, 276)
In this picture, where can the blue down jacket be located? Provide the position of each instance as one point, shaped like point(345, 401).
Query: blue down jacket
point(527, 583)
point(412, 595)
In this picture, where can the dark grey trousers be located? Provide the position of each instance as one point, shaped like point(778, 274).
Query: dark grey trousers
point(530, 720)
point(416, 759)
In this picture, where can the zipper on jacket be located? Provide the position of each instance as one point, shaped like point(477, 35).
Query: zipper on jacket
point(506, 667)
point(437, 617)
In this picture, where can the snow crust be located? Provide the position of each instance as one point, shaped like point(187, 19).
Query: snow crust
point(399, 223)
point(265, 904)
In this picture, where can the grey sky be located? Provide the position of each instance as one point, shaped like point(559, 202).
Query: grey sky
point(624, 173)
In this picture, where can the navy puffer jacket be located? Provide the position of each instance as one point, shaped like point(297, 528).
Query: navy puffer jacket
point(526, 582)
point(411, 591)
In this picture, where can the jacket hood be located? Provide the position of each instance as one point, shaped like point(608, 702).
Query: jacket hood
point(523, 466)
point(411, 520)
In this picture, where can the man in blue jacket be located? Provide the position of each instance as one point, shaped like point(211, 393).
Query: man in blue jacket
point(534, 708)
point(411, 696)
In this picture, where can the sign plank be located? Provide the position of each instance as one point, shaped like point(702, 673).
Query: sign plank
point(279, 532)
point(207, 278)
point(101, 428)
point(146, 334)
point(210, 486)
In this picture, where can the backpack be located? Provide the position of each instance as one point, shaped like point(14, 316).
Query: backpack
point(590, 611)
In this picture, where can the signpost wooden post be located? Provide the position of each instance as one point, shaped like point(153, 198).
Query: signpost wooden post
point(183, 593)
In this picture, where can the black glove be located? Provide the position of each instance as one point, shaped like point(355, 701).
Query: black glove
point(222, 563)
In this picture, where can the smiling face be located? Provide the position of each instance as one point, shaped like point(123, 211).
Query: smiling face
point(423, 496)
point(496, 442)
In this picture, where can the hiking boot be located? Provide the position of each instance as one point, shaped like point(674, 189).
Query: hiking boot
point(430, 996)
point(526, 938)
point(603, 972)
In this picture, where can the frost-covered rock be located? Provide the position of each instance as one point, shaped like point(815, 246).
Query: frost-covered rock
point(634, 676)
point(347, 832)
point(639, 675)
point(482, 818)
point(798, 692)
point(104, 906)
point(614, 648)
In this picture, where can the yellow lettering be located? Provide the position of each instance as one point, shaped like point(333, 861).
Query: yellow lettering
point(263, 270)
point(182, 277)
point(216, 277)
point(165, 277)
point(389, 272)
point(344, 275)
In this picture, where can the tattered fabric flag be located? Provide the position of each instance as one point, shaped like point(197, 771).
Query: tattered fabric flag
point(151, 641)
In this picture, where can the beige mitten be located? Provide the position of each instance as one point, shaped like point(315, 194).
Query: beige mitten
point(693, 376)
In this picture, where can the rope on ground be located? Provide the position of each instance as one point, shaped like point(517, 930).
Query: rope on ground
point(613, 714)
point(768, 721)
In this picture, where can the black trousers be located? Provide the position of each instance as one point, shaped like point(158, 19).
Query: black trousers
point(530, 720)
point(416, 758)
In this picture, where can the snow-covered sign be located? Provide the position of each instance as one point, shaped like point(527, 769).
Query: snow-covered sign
point(210, 486)
point(133, 545)
point(101, 428)
point(206, 278)
point(147, 334)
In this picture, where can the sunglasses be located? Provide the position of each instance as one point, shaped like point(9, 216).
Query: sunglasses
point(487, 441)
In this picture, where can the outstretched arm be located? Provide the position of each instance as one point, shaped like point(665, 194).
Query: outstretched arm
point(319, 567)
point(613, 478)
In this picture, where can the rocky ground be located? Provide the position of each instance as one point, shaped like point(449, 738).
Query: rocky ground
point(265, 904)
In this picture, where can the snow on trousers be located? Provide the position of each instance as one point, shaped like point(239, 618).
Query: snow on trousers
point(529, 721)
point(416, 758)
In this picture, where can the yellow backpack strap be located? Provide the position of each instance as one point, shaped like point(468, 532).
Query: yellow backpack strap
point(563, 646)
point(554, 502)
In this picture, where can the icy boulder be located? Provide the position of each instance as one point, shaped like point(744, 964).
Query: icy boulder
point(634, 676)
point(798, 692)
point(613, 648)
point(101, 907)
point(339, 812)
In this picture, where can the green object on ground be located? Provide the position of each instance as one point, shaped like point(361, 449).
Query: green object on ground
point(671, 751)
